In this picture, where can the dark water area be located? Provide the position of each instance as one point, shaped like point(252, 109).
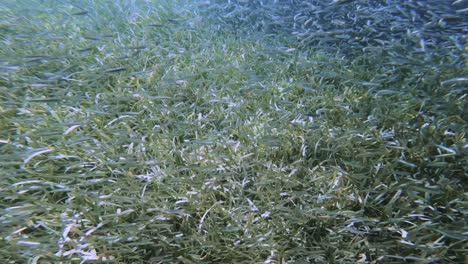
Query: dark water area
point(419, 25)
point(407, 40)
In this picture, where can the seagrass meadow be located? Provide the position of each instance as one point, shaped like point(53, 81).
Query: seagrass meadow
point(233, 131)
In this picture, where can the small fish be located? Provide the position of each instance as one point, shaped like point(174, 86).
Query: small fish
point(340, 2)
point(81, 13)
point(454, 81)
point(10, 67)
point(85, 49)
point(201, 142)
point(338, 22)
point(369, 84)
point(97, 36)
point(173, 21)
point(406, 163)
point(115, 70)
point(457, 2)
point(449, 150)
point(91, 37)
point(42, 100)
point(136, 47)
point(35, 58)
point(204, 3)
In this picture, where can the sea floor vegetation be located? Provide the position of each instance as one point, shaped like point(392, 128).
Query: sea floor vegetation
point(150, 132)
